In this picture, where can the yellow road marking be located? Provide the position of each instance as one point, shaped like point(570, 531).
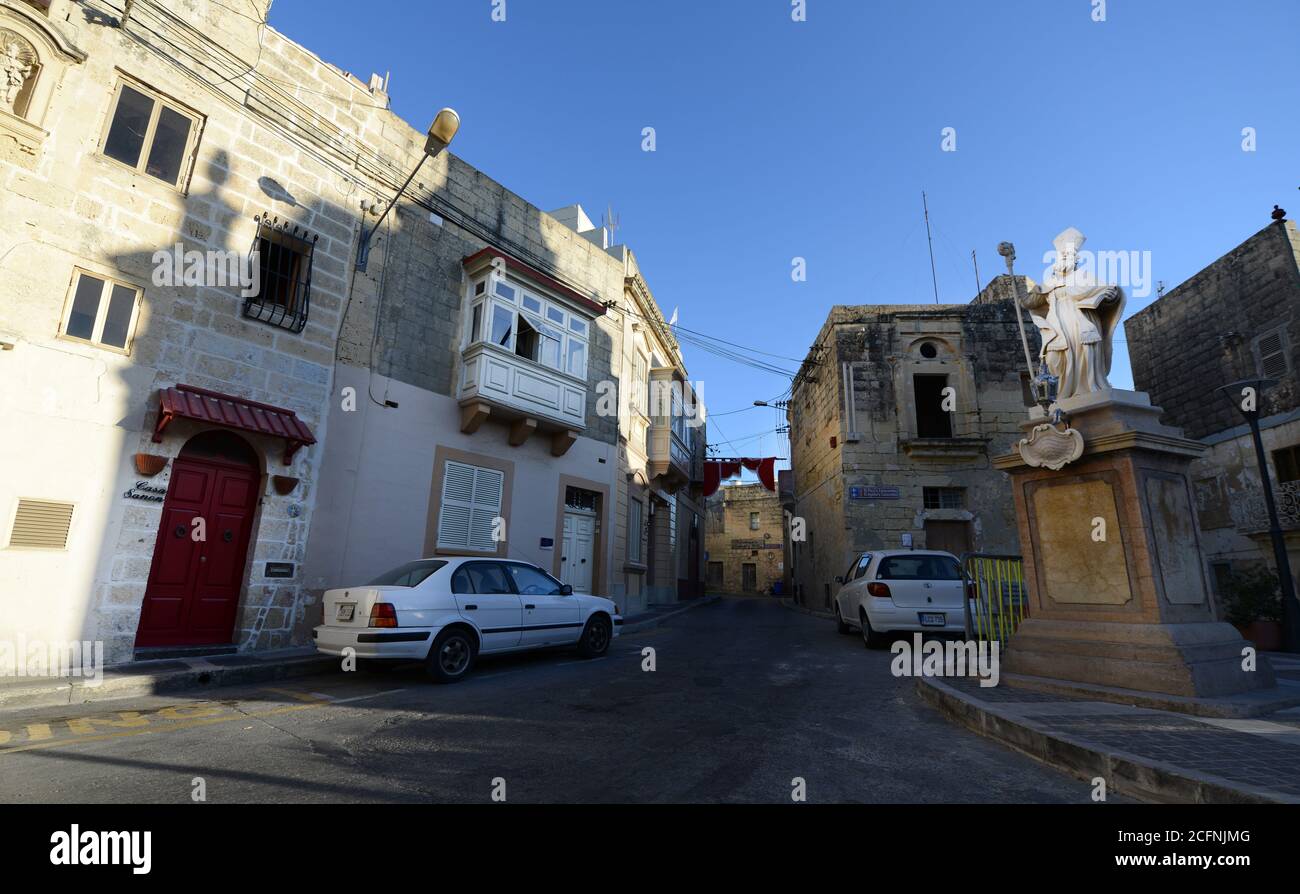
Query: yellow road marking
point(187, 716)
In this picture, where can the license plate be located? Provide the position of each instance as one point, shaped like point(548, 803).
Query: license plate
point(933, 619)
point(345, 611)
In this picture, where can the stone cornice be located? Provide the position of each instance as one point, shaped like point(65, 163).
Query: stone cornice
point(649, 310)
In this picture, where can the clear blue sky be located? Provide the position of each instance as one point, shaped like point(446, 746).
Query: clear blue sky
point(779, 139)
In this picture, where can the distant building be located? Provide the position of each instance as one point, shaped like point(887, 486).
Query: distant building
point(1237, 318)
point(743, 539)
point(893, 419)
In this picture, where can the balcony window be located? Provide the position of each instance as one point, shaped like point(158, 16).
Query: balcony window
point(503, 327)
point(502, 289)
point(577, 362)
point(529, 327)
point(682, 415)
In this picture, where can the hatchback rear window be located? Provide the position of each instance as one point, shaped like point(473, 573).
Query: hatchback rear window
point(412, 574)
point(918, 568)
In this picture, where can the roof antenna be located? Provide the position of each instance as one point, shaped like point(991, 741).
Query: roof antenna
point(610, 221)
point(934, 277)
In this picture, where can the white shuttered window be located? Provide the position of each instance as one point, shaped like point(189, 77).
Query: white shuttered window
point(471, 501)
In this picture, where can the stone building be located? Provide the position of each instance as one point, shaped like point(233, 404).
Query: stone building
point(141, 389)
point(212, 415)
point(1237, 318)
point(661, 447)
point(744, 539)
point(504, 397)
point(880, 447)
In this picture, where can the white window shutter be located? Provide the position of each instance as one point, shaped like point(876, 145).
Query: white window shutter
point(471, 502)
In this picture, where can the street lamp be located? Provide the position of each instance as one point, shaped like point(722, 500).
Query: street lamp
point(441, 132)
point(1246, 395)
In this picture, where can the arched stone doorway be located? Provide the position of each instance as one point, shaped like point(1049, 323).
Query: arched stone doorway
point(198, 563)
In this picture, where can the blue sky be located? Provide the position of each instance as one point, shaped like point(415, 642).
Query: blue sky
point(779, 139)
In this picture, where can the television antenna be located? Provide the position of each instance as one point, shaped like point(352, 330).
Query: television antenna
point(610, 221)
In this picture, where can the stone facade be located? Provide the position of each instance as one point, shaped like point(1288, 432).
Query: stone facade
point(874, 453)
point(1208, 331)
point(1237, 318)
point(84, 410)
point(660, 549)
point(744, 539)
point(373, 364)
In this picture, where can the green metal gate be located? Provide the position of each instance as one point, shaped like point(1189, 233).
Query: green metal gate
point(999, 601)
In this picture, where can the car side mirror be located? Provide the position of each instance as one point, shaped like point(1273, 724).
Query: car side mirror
point(566, 590)
point(839, 578)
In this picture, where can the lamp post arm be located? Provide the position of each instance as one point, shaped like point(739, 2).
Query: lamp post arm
point(393, 202)
point(363, 249)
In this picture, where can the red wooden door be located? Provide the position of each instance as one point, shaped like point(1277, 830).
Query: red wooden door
point(193, 591)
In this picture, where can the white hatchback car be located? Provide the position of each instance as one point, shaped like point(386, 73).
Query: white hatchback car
point(446, 612)
point(892, 590)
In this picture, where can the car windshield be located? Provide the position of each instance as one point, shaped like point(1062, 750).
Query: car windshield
point(919, 568)
point(412, 574)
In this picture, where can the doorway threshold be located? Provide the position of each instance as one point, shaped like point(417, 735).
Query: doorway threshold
point(165, 653)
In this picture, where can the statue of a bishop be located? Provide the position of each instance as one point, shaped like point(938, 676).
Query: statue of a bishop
point(1077, 318)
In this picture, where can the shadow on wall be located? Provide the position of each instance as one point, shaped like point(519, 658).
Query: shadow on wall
point(195, 334)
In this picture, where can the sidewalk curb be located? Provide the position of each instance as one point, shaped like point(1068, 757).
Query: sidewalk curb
point(1125, 773)
point(201, 674)
point(651, 623)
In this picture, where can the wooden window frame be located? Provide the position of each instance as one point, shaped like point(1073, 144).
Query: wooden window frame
point(160, 99)
point(101, 311)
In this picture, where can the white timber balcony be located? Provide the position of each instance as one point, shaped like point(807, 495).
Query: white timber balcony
point(524, 353)
point(495, 382)
point(669, 440)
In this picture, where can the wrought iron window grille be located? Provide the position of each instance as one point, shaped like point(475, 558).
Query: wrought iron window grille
point(285, 252)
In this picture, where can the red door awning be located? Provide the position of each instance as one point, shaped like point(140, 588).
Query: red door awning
point(202, 405)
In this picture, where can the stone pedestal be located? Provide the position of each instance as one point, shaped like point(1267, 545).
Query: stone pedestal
point(1117, 585)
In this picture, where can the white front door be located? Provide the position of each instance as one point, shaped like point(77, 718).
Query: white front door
point(578, 555)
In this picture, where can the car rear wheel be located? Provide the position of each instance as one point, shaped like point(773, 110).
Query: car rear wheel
point(451, 656)
point(873, 639)
point(840, 626)
point(595, 637)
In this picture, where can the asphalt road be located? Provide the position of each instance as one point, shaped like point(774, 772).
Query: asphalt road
point(746, 696)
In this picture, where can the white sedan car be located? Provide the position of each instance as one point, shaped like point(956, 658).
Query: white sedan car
point(893, 590)
point(446, 612)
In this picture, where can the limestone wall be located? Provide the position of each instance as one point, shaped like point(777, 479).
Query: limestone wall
point(1204, 333)
point(732, 541)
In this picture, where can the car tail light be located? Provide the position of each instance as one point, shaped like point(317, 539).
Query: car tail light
point(383, 614)
point(970, 589)
point(876, 588)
